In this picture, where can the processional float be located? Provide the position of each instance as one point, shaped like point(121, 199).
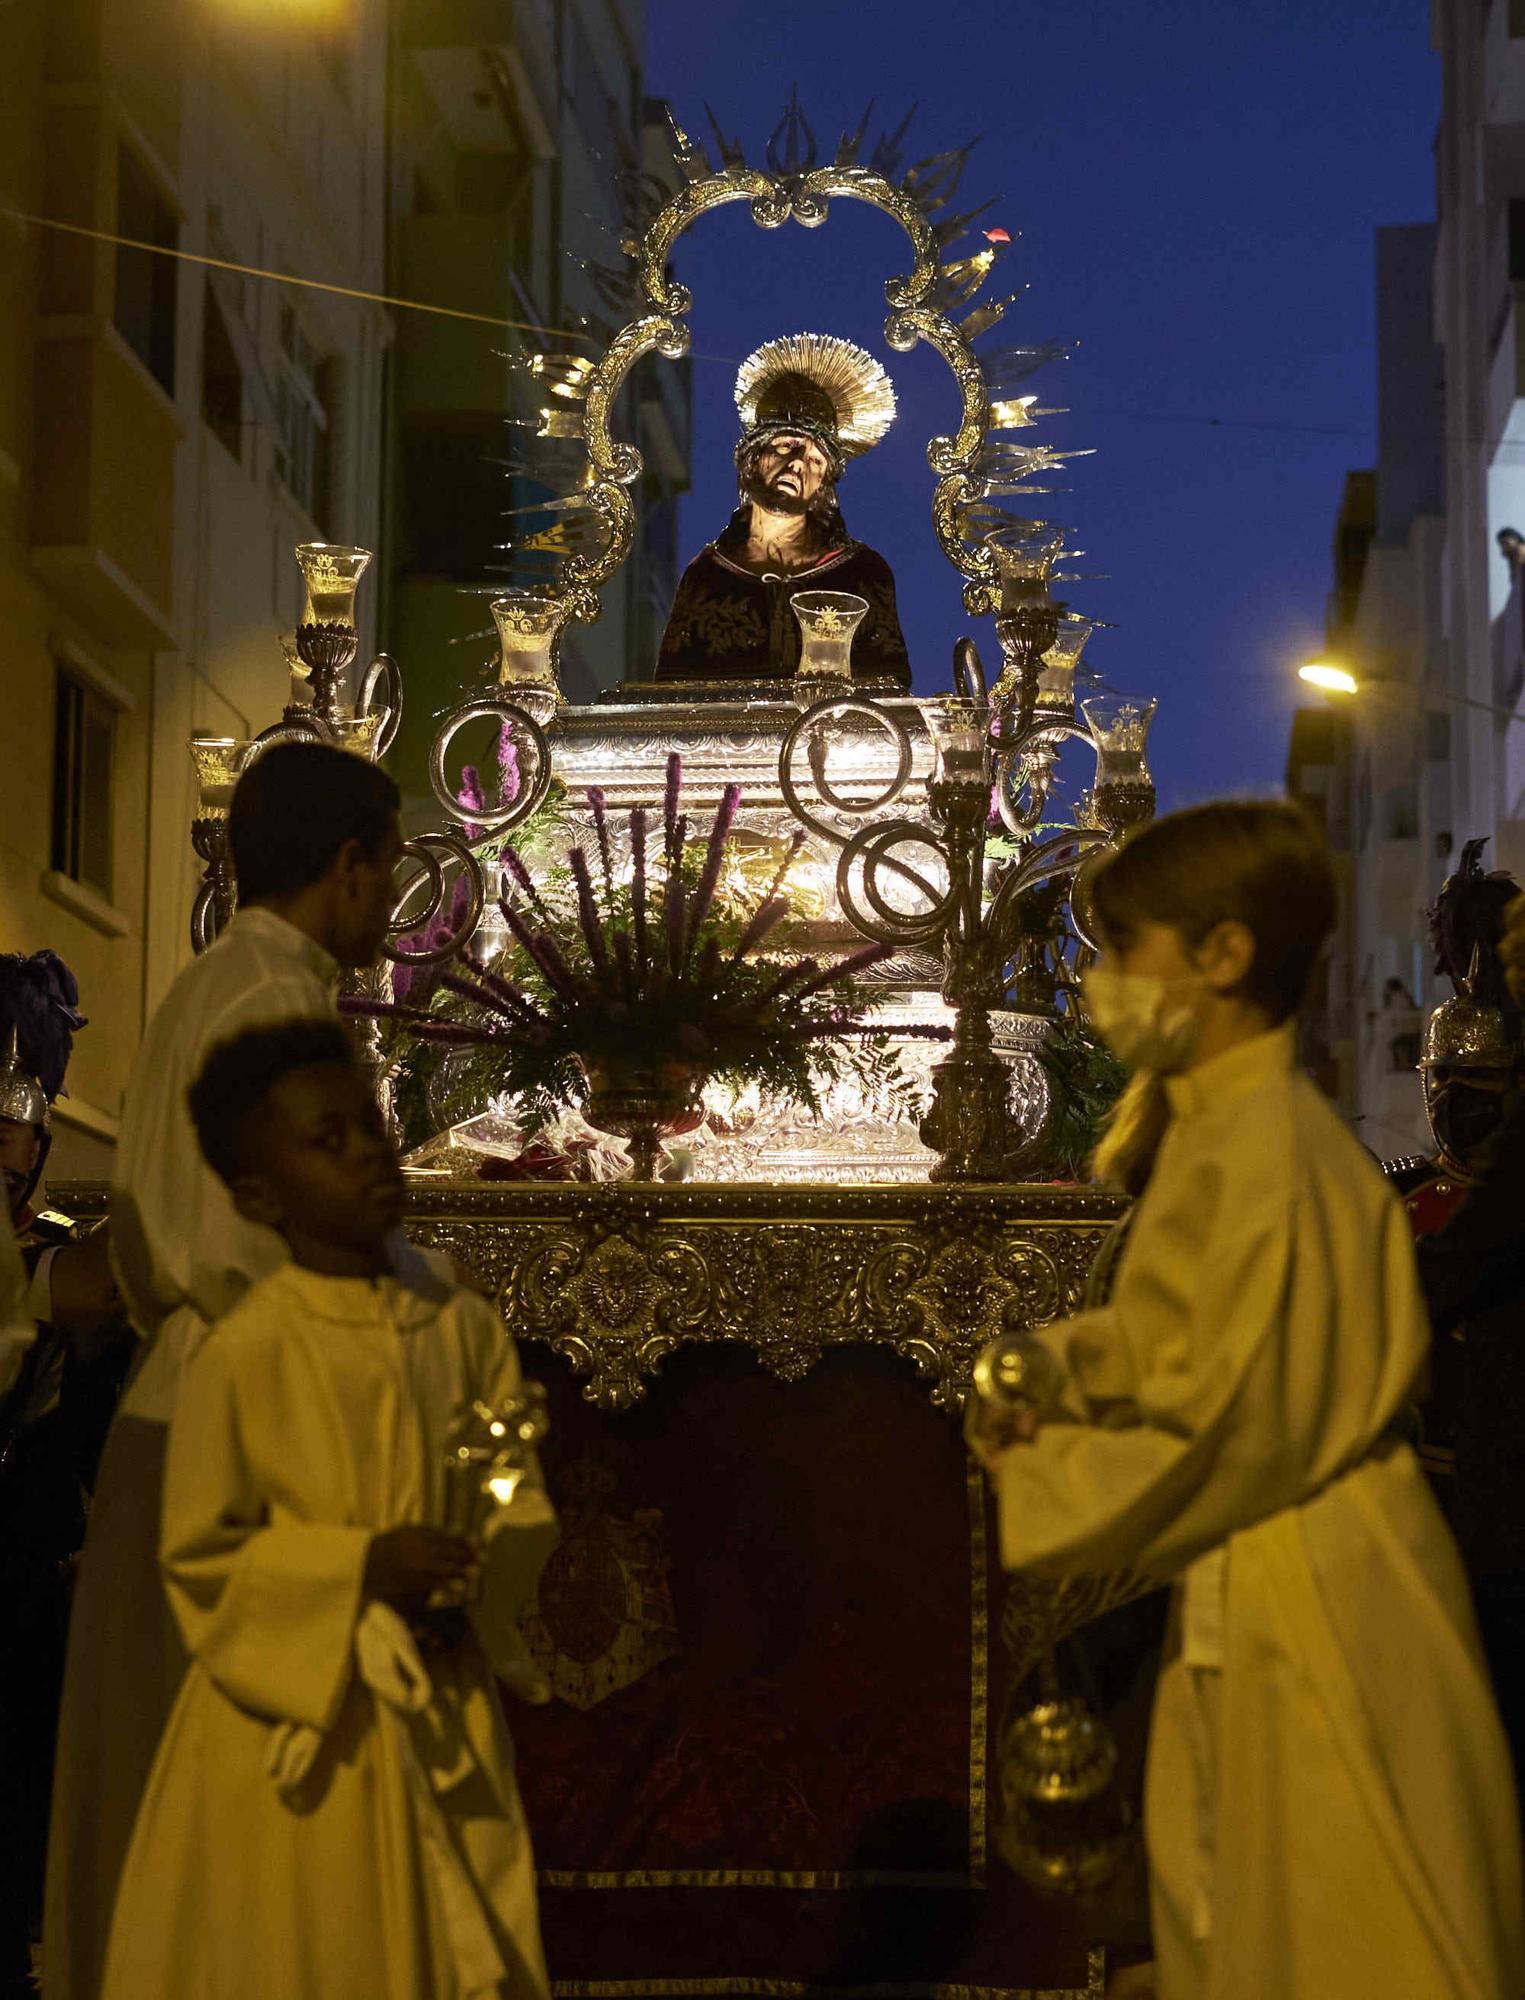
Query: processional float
point(913, 834)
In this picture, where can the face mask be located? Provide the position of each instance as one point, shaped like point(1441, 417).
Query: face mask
point(1147, 1023)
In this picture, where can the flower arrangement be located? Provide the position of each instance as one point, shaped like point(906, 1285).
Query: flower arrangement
point(629, 984)
point(1085, 1081)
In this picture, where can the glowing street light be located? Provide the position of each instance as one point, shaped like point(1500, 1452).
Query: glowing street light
point(1332, 679)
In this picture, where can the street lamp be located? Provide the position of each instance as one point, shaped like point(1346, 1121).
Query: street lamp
point(1327, 675)
point(1334, 679)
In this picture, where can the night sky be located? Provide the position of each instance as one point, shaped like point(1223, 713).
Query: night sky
point(1195, 186)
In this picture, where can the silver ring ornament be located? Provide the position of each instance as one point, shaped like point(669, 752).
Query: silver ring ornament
point(423, 850)
point(531, 793)
point(841, 704)
point(870, 848)
point(383, 672)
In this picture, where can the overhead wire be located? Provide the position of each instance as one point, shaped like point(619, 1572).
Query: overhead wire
point(290, 277)
point(1272, 426)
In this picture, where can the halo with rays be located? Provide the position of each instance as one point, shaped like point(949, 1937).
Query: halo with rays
point(859, 390)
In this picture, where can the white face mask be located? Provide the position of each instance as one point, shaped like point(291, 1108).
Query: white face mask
point(1146, 1022)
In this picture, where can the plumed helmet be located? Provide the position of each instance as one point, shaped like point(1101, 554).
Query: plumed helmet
point(1462, 1035)
point(1480, 1028)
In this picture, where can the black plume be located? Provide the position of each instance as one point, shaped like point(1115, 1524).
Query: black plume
point(39, 999)
point(1467, 923)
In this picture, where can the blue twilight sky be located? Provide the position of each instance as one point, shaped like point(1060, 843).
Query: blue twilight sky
point(1195, 184)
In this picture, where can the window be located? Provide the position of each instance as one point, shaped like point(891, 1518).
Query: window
point(304, 393)
point(1400, 814)
point(222, 380)
point(84, 733)
point(144, 312)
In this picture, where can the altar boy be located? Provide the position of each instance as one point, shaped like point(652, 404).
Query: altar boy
point(1329, 1808)
point(332, 1811)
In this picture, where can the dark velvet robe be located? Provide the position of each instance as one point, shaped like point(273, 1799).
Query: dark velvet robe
point(728, 625)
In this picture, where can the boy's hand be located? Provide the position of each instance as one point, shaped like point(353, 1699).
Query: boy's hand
point(405, 1566)
point(989, 1430)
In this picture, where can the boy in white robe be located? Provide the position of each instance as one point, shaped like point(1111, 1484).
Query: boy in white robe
point(1329, 1809)
point(332, 1812)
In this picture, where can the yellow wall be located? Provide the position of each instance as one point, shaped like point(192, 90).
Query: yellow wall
point(132, 545)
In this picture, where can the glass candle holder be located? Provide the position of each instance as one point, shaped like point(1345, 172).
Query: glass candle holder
point(527, 623)
point(960, 731)
point(1024, 559)
point(828, 619)
point(359, 734)
point(218, 761)
point(331, 572)
point(1056, 672)
point(1123, 793)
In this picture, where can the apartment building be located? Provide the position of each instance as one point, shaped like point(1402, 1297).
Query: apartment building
point(168, 431)
point(505, 165)
point(1479, 321)
point(1377, 766)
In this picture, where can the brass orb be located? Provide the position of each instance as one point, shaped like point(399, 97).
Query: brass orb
point(1015, 1372)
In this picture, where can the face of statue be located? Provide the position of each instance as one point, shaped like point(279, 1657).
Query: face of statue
point(786, 473)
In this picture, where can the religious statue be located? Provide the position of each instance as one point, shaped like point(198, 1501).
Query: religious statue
point(808, 404)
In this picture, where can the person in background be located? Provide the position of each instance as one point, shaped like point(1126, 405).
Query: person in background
point(332, 1811)
point(1472, 1268)
point(1471, 1063)
point(1328, 1808)
point(60, 1374)
point(315, 839)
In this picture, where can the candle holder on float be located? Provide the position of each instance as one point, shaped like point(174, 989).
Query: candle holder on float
point(529, 626)
point(218, 761)
point(327, 638)
point(827, 619)
point(969, 1123)
point(1027, 617)
point(1123, 795)
point(910, 884)
point(317, 658)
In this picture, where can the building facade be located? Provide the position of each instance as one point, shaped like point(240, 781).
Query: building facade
point(170, 429)
point(505, 165)
point(1377, 768)
point(1432, 617)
